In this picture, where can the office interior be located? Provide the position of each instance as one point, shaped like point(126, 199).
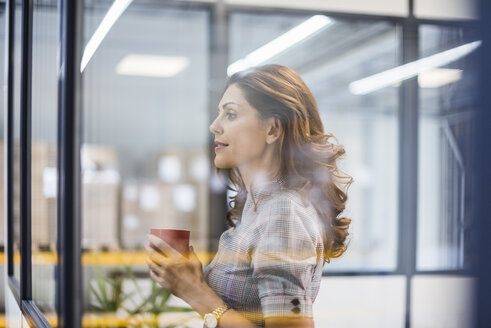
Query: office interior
point(396, 82)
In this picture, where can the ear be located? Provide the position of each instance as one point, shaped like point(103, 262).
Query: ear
point(275, 130)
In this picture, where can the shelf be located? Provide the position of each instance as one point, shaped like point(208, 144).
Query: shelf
point(111, 258)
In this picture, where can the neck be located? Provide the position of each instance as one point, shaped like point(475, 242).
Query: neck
point(261, 171)
point(255, 178)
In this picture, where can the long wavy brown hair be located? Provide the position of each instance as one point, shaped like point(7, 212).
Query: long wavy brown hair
point(307, 157)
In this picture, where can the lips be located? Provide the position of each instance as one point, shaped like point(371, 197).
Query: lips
point(220, 145)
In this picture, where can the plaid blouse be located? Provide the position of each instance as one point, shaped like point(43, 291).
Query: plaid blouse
point(270, 263)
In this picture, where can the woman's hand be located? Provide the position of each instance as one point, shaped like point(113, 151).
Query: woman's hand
point(181, 276)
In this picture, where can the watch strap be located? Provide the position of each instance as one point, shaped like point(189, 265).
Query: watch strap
point(219, 311)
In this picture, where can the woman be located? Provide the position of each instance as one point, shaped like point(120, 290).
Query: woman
point(284, 220)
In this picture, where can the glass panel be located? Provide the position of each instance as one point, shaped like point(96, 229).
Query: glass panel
point(442, 301)
point(353, 302)
point(448, 98)
point(43, 154)
point(364, 121)
point(16, 135)
point(144, 157)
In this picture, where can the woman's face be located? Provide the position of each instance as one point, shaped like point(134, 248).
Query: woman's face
point(240, 134)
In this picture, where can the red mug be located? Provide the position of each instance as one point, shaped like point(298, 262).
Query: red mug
point(177, 239)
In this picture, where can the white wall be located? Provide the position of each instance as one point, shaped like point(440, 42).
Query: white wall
point(354, 302)
point(442, 302)
point(13, 315)
point(378, 7)
point(428, 9)
point(446, 9)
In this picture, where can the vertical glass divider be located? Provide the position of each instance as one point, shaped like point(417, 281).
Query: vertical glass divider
point(408, 159)
point(218, 75)
point(25, 152)
point(69, 296)
point(9, 135)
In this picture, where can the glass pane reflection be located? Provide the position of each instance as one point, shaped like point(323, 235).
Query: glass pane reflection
point(16, 135)
point(448, 100)
point(329, 60)
point(43, 155)
point(144, 155)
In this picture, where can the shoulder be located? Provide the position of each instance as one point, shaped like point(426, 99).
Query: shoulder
point(287, 211)
point(287, 203)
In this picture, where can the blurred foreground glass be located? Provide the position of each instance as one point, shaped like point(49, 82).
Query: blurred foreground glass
point(448, 101)
point(330, 54)
point(144, 155)
point(364, 301)
point(442, 301)
point(16, 136)
point(43, 155)
point(3, 224)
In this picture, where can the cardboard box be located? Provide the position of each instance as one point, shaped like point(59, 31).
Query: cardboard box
point(100, 203)
point(145, 205)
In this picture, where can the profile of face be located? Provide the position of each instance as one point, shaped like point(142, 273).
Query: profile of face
point(242, 137)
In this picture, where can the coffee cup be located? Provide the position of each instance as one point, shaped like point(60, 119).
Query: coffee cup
point(177, 239)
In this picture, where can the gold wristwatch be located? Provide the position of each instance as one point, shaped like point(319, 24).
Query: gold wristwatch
point(211, 319)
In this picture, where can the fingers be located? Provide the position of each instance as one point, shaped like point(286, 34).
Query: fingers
point(162, 246)
point(152, 265)
point(155, 256)
point(155, 277)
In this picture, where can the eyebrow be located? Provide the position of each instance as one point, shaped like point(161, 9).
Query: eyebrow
point(228, 103)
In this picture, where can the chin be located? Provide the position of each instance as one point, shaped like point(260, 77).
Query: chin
point(222, 164)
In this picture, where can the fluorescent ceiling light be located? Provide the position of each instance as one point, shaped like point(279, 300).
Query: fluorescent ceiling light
point(407, 71)
point(150, 65)
point(438, 77)
point(116, 10)
point(281, 43)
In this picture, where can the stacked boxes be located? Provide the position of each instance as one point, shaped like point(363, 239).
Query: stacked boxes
point(99, 215)
point(115, 214)
point(187, 173)
point(145, 205)
point(100, 197)
point(43, 195)
point(179, 200)
point(43, 156)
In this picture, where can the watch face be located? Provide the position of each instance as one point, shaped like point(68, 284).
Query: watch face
point(210, 320)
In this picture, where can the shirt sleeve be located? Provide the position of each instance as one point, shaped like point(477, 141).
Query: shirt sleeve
point(283, 262)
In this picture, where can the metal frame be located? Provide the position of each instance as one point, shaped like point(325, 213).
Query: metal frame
point(408, 164)
point(22, 290)
point(69, 282)
point(25, 152)
point(9, 136)
point(69, 293)
point(9, 149)
point(218, 75)
point(482, 160)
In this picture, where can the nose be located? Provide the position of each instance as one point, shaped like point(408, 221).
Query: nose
point(215, 127)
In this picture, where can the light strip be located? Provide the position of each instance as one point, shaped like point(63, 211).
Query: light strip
point(151, 65)
point(407, 71)
point(281, 43)
point(117, 8)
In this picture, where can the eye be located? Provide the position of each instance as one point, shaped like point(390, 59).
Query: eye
point(231, 115)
